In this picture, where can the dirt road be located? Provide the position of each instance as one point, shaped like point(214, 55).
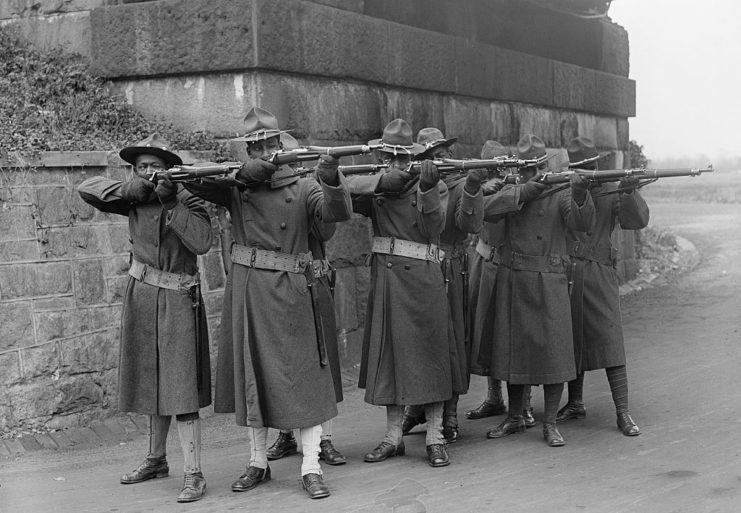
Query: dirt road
point(683, 343)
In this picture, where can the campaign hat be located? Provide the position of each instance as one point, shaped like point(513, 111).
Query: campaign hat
point(532, 147)
point(431, 138)
point(582, 151)
point(260, 125)
point(492, 149)
point(152, 145)
point(397, 138)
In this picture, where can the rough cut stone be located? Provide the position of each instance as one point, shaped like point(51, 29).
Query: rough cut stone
point(16, 318)
point(41, 360)
point(29, 280)
point(52, 325)
point(10, 371)
point(89, 282)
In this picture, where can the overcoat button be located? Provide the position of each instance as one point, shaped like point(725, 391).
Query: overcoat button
point(414, 223)
point(407, 267)
point(288, 200)
point(379, 202)
point(389, 265)
point(277, 248)
point(156, 217)
point(414, 203)
point(282, 226)
point(539, 237)
point(541, 212)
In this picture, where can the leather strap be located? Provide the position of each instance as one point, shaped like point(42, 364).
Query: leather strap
point(489, 253)
point(605, 255)
point(152, 276)
point(451, 251)
point(406, 248)
point(536, 263)
point(270, 260)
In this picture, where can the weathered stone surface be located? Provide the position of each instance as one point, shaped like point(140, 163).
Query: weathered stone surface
point(542, 122)
point(10, 371)
point(569, 127)
point(212, 269)
point(41, 360)
point(55, 205)
point(17, 223)
point(89, 282)
point(476, 71)
point(351, 242)
point(17, 322)
point(118, 235)
point(31, 8)
point(615, 49)
point(623, 133)
point(419, 59)
point(470, 120)
point(11, 251)
point(105, 317)
point(573, 87)
point(64, 323)
point(74, 241)
point(28, 280)
point(115, 288)
point(615, 95)
point(71, 31)
point(35, 401)
point(76, 393)
point(605, 133)
point(90, 353)
point(172, 36)
point(419, 109)
point(523, 78)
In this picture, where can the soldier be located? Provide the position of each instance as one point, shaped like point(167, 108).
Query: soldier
point(272, 368)
point(164, 367)
point(483, 280)
point(595, 298)
point(464, 216)
point(406, 353)
point(531, 343)
point(286, 444)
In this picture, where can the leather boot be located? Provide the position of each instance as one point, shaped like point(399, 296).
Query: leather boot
point(284, 445)
point(552, 436)
point(437, 455)
point(194, 487)
point(487, 409)
point(527, 415)
point(572, 410)
point(626, 424)
point(384, 450)
point(314, 486)
point(512, 424)
point(252, 477)
point(329, 455)
point(149, 469)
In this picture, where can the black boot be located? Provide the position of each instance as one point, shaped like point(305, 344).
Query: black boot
point(284, 445)
point(150, 468)
point(413, 416)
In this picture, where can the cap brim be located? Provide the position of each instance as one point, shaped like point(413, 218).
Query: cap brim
point(130, 153)
point(414, 150)
point(442, 143)
point(261, 136)
point(589, 160)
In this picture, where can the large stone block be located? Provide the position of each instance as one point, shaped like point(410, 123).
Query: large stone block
point(115, 288)
point(74, 241)
point(34, 402)
point(94, 352)
point(615, 49)
point(503, 124)
point(10, 370)
point(615, 95)
point(41, 360)
point(17, 223)
point(468, 119)
point(30, 280)
point(64, 323)
point(476, 71)
point(351, 243)
point(420, 59)
point(623, 133)
point(523, 78)
point(419, 109)
point(70, 31)
point(105, 317)
point(33, 8)
point(77, 394)
point(573, 87)
point(605, 134)
point(173, 36)
point(89, 282)
point(545, 123)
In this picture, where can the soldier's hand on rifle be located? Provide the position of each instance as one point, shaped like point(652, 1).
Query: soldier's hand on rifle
point(393, 180)
point(474, 179)
point(531, 189)
point(628, 184)
point(428, 176)
point(327, 170)
point(167, 192)
point(137, 190)
point(256, 171)
point(492, 186)
point(579, 188)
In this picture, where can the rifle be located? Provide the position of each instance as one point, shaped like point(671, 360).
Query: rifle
point(314, 152)
point(193, 173)
point(614, 175)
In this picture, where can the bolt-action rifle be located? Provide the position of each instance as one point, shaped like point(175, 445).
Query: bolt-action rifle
point(646, 176)
point(194, 173)
point(314, 152)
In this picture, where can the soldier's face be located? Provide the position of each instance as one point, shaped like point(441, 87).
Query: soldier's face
point(399, 161)
point(260, 149)
point(441, 152)
point(148, 164)
point(528, 173)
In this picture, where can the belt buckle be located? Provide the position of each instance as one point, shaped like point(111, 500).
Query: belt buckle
point(253, 256)
point(392, 243)
point(433, 253)
point(144, 272)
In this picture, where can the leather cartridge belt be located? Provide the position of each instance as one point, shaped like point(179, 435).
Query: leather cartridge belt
point(271, 260)
point(536, 263)
point(605, 255)
point(489, 253)
point(406, 248)
point(152, 276)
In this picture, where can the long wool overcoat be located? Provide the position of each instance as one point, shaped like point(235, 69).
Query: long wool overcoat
point(159, 364)
point(268, 367)
point(483, 273)
point(595, 298)
point(533, 339)
point(464, 216)
point(406, 352)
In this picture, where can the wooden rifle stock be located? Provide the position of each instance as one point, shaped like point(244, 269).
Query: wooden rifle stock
point(192, 173)
point(314, 152)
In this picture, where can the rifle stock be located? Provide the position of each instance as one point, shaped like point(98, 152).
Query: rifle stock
point(314, 152)
point(192, 173)
point(614, 175)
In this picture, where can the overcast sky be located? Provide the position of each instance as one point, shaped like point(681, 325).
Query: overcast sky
point(685, 56)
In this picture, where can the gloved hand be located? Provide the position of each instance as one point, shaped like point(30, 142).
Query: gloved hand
point(531, 189)
point(167, 192)
point(137, 190)
point(327, 170)
point(629, 183)
point(256, 171)
point(579, 188)
point(393, 180)
point(428, 176)
point(492, 186)
point(474, 179)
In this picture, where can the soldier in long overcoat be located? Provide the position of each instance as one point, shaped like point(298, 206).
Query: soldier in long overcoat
point(595, 298)
point(270, 369)
point(463, 217)
point(406, 352)
point(164, 367)
point(532, 344)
